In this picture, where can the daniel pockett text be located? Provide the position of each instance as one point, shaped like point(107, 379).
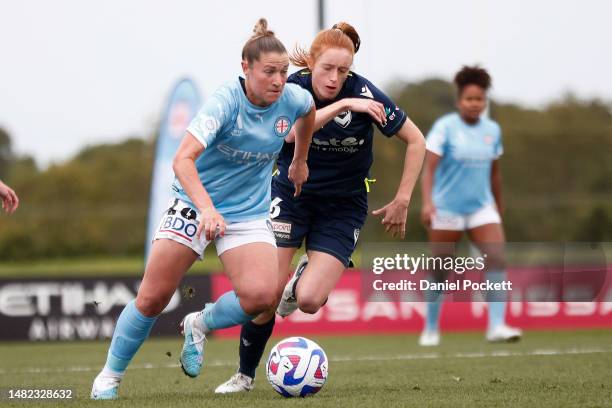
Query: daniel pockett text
point(397, 266)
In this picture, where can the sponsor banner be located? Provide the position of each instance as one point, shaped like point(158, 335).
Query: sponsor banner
point(349, 311)
point(182, 106)
point(85, 309)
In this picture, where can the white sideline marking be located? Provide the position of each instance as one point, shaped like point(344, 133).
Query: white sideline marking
point(419, 356)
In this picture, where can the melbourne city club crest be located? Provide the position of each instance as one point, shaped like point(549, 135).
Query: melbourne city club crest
point(282, 126)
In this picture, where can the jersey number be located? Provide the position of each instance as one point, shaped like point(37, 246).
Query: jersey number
point(275, 208)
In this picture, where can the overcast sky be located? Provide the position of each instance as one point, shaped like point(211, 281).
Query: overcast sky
point(77, 72)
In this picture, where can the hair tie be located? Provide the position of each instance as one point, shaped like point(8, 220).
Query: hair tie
point(356, 44)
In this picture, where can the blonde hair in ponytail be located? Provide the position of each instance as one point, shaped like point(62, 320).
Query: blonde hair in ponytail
point(262, 41)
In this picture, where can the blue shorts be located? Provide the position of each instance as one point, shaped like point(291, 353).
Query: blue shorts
point(328, 224)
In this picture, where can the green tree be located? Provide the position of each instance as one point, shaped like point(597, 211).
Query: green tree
point(94, 204)
point(556, 166)
point(6, 153)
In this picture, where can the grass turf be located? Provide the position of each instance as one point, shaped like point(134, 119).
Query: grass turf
point(548, 369)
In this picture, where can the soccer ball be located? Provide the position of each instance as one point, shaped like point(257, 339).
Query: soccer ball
point(297, 367)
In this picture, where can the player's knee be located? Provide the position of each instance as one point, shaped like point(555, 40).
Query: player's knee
point(259, 300)
point(152, 305)
point(310, 303)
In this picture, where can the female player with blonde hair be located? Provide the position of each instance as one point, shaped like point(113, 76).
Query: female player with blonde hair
point(223, 172)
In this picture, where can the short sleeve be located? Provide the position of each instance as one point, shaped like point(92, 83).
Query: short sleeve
point(305, 102)
point(212, 117)
point(436, 138)
point(299, 98)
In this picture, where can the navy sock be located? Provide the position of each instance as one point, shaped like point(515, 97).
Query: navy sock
point(253, 339)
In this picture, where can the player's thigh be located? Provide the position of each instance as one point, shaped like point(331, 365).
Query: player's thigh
point(485, 225)
point(167, 264)
point(330, 243)
point(443, 243)
point(319, 278)
point(490, 241)
point(488, 233)
point(253, 269)
point(285, 257)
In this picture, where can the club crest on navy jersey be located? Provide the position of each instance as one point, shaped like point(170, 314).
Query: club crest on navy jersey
point(347, 140)
point(344, 119)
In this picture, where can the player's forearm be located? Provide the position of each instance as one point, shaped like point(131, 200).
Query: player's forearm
point(187, 174)
point(412, 167)
point(303, 135)
point(329, 112)
point(413, 160)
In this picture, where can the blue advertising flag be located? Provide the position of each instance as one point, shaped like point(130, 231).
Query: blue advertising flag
point(182, 106)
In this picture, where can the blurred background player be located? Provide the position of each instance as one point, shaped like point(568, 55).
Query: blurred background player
point(461, 186)
point(223, 173)
point(10, 201)
point(333, 206)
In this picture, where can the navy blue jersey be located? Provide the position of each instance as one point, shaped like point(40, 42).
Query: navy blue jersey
point(340, 155)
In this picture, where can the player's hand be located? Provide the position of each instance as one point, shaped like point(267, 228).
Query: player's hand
point(427, 213)
point(10, 201)
point(210, 222)
point(375, 109)
point(394, 217)
point(298, 174)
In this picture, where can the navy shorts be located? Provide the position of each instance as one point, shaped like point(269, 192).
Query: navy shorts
point(328, 224)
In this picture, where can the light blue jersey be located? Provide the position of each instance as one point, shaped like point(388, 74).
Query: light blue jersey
point(462, 182)
point(242, 142)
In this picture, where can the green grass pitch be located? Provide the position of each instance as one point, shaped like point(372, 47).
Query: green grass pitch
point(546, 369)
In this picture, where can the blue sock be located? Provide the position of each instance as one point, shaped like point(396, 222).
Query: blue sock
point(496, 300)
point(131, 330)
point(225, 312)
point(432, 310)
